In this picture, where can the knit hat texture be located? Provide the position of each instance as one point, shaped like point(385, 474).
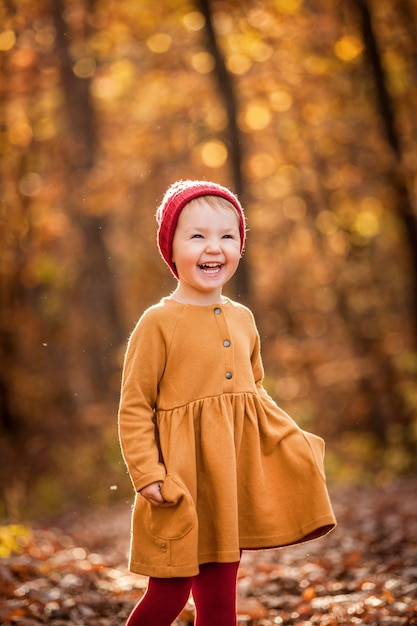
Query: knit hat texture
point(175, 199)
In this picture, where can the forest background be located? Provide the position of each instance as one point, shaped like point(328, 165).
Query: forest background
point(306, 109)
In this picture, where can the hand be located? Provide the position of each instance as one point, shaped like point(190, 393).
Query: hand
point(152, 493)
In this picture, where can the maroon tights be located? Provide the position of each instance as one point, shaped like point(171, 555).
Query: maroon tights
point(214, 593)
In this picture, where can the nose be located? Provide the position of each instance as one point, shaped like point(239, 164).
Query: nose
point(213, 246)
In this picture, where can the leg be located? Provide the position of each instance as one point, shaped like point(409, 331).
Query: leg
point(214, 592)
point(162, 603)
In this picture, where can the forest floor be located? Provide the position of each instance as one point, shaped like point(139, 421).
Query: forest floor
point(365, 572)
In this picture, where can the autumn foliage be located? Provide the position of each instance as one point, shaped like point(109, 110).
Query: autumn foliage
point(307, 111)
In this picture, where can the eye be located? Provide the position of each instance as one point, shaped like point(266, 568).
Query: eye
point(228, 236)
point(197, 236)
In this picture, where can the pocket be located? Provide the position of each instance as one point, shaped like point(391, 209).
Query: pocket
point(177, 517)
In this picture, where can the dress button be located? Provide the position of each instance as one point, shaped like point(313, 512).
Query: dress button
point(228, 375)
point(217, 310)
point(163, 547)
point(226, 343)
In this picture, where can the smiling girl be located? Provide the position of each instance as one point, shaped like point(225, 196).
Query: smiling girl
point(216, 465)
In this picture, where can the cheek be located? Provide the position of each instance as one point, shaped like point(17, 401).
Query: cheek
point(184, 256)
point(234, 260)
point(236, 252)
point(175, 247)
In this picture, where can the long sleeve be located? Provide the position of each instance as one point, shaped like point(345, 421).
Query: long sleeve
point(143, 368)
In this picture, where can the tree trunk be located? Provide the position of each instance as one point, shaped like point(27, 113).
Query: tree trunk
point(227, 92)
point(99, 324)
point(398, 174)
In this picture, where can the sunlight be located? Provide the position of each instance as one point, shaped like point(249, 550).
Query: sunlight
point(214, 153)
point(348, 48)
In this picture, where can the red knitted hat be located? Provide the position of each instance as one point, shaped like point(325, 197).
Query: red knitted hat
point(175, 199)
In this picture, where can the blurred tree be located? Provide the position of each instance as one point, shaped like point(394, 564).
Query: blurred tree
point(94, 299)
point(102, 105)
point(400, 177)
point(227, 92)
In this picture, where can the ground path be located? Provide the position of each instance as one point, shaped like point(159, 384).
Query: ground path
point(74, 573)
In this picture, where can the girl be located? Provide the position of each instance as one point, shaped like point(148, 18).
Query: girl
point(216, 465)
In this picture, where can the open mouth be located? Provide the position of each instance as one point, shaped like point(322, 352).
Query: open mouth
point(211, 268)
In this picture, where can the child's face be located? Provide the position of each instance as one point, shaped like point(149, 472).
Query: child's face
point(206, 248)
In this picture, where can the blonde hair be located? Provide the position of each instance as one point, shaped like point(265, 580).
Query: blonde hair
point(215, 202)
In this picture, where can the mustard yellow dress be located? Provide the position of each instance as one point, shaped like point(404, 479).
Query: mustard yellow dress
point(238, 472)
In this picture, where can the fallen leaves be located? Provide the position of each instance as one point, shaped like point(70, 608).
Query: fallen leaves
point(54, 581)
point(365, 572)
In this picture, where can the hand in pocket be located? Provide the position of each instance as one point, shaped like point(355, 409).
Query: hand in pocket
point(152, 493)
